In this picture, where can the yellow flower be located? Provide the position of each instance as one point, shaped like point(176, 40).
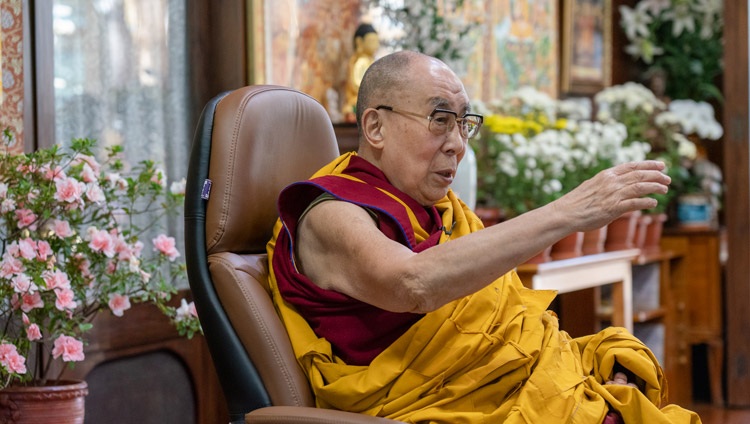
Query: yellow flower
point(500, 124)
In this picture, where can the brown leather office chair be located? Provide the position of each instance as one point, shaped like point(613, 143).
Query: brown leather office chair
point(250, 143)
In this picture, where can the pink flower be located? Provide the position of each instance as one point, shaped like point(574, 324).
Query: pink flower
point(123, 250)
point(43, 250)
point(137, 249)
point(10, 266)
point(118, 303)
point(56, 279)
point(114, 180)
point(159, 177)
point(25, 218)
point(94, 193)
point(87, 174)
point(89, 161)
point(69, 348)
point(22, 284)
point(166, 246)
point(27, 248)
point(7, 205)
point(69, 190)
point(30, 301)
point(65, 299)
point(52, 174)
point(3, 190)
point(145, 276)
point(11, 359)
point(185, 310)
point(61, 228)
point(33, 332)
point(101, 241)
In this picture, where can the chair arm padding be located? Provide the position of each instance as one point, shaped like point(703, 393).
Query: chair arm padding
point(309, 415)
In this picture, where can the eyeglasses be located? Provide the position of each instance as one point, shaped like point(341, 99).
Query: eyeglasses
point(442, 121)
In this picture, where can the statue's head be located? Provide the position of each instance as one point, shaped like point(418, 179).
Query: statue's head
point(366, 39)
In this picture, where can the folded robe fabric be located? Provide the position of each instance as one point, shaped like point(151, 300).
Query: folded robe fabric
point(496, 356)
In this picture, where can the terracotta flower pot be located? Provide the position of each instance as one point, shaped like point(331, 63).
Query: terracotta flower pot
point(644, 221)
point(568, 247)
point(593, 241)
point(652, 242)
point(59, 402)
point(621, 231)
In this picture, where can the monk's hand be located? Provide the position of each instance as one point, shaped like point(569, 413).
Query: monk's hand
point(621, 379)
point(613, 192)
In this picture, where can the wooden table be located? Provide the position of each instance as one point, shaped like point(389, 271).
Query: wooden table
point(589, 271)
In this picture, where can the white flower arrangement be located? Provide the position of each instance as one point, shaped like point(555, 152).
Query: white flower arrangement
point(630, 97)
point(697, 118)
point(681, 38)
point(528, 156)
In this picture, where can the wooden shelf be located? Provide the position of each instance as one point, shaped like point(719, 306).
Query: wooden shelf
point(604, 313)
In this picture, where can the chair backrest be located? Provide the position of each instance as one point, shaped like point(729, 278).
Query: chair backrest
point(250, 143)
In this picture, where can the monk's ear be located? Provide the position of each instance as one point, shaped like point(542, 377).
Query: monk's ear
point(372, 128)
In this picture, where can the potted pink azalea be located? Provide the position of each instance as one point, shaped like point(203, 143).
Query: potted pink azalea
point(78, 238)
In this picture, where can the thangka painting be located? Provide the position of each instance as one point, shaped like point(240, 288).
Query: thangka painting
point(304, 44)
point(518, 46)
point(11, 69)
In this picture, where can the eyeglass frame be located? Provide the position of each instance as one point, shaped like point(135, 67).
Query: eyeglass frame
point(429, 118)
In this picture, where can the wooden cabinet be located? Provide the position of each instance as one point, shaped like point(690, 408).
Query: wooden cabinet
point(658, 319)
point(698, 301)
point(127, 359)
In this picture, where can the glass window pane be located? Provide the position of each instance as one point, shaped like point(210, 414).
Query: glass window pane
point(120, 77)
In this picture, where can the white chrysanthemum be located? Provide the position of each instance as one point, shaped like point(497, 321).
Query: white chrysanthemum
point(697, 118)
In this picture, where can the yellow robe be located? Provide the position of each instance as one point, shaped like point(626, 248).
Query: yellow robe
point(496, 356)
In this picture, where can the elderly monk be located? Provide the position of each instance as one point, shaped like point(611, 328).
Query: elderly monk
point(399, 304)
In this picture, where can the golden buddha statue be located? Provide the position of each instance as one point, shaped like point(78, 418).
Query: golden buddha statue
point(366, 44)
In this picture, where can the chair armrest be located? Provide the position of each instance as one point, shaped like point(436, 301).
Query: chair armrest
point(309, 415)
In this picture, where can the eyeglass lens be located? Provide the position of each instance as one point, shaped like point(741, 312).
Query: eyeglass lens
point(444, 121)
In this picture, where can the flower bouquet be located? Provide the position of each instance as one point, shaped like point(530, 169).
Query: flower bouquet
point(72, 232)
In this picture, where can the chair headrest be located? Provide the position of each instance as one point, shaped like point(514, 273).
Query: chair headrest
point(263, 139)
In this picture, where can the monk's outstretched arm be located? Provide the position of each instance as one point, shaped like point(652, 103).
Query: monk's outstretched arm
point(340, 248)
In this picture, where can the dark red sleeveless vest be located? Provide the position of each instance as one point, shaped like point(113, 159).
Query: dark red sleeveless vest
point(357, 331)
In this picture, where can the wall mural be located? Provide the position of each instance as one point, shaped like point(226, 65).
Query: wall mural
point(306, 44)
point(11, 68)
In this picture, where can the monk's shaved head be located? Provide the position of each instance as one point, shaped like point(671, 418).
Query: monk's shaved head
point(385, 77)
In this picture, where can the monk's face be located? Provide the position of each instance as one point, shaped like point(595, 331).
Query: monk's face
point(415, 159)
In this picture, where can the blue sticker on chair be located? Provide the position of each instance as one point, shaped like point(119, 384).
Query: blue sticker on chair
point(206, 189)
